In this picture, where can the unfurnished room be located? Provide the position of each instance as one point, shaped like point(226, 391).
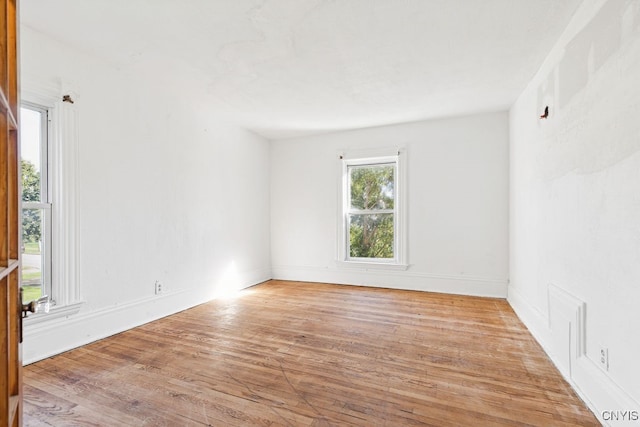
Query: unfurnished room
point(320, 213)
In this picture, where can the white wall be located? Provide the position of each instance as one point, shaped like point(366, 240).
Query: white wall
point(165, 193)
point(457, 205)
point(575, 202)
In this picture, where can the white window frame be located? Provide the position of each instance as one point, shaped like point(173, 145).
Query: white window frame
point(63, 186)
point(350, 158)
point(46, 195)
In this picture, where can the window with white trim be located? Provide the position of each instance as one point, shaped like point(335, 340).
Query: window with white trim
point(372, 214)
point(56, 264)
point(36, 201)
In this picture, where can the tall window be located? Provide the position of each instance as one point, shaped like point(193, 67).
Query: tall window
point(370, 211)
point(372, 217)
point(36, 201)
point(49, 142)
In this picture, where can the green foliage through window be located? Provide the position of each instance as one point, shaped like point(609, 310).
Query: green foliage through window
point(31, 218)
point(371, 207)
point(371, 236)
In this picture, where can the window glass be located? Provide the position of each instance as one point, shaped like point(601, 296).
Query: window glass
point(370, 216)
point(31, 154)
point(371, 236)
point(36, 209)
point(372, 186)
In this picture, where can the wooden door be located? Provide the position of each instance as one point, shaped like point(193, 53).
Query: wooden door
point(10, 305)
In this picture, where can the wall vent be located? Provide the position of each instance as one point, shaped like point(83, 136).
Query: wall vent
point(567, 324)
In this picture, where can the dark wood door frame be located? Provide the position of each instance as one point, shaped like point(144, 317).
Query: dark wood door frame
point(10, 304)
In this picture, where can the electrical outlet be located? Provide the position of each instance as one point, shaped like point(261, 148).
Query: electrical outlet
point(158, 287)
point(603, 358)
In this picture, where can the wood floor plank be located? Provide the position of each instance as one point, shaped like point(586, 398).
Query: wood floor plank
point(308, 354)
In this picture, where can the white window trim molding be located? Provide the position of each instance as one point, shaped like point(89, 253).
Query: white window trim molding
point(64, 146)
point(56, 312)
point(363, 157)
point(44, 204)
point(382, 265)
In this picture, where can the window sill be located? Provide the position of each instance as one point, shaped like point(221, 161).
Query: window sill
point(54, 313)
point(363, 265)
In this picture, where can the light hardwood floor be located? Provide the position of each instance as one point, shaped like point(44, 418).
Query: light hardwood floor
point(291, 353)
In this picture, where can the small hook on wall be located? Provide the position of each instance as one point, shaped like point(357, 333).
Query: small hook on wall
point(67, 98)
point(546, 113)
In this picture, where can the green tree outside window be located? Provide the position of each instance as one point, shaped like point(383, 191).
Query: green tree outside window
point(371, 218)
point(31, 219)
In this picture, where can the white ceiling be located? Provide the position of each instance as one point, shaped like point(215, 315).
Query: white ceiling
point(286, 68)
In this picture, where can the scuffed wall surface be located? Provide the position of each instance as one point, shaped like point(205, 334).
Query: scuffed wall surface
point(575, 183)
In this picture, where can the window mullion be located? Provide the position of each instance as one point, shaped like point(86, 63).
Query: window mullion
point(36, 205)
point(370, 211)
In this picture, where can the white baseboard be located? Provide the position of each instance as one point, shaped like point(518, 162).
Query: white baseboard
point(603, 396)
point(534, 320)
point(409, 280)
point(48, 338)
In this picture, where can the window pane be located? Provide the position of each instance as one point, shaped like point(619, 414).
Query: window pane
point(31, 154)
point(371, 236)
point(32, 259)
point(372, 186)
